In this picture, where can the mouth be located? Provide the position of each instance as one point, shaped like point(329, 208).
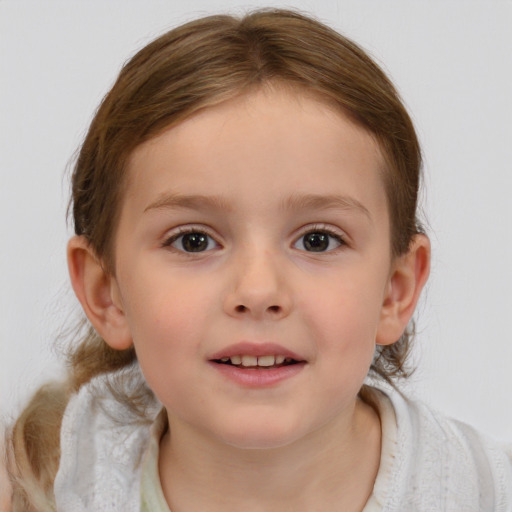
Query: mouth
point(257, 365)
point(250, 362)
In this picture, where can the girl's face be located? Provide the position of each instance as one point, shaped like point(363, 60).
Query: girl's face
point(253, 266)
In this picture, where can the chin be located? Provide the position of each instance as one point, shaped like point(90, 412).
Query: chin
point(257, 436)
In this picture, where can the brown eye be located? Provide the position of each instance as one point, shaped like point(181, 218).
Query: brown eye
point(195, 241)
point(318, 241)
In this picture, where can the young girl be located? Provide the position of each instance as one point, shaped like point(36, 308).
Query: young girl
point(247, 253)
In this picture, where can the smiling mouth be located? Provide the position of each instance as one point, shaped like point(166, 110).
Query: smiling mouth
point(257, 362)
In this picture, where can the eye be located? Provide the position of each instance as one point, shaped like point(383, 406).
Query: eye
point(191, 241)
point(319, 241)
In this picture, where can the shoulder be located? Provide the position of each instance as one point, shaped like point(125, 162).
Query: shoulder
point(102, 446)
point(443, 464)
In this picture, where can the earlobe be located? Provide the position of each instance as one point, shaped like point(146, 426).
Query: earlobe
point(408, 277)
point(98, 294)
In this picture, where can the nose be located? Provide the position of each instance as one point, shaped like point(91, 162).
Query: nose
point(258, 288)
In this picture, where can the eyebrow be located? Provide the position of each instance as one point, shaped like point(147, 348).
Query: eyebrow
point(191, 202)
point(325, 202)
point(294, 202)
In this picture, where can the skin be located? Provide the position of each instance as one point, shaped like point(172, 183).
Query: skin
point(268, 168)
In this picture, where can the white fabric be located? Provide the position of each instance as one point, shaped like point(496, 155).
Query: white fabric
point(152, 495)
point(102, 446)
point(428, 464)
point(432, 463)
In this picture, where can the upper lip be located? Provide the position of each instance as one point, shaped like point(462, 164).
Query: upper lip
point(255, 349)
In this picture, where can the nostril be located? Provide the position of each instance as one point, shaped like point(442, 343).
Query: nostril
point(242, 309)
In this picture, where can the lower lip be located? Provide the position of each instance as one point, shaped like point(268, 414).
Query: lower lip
point(258, 378)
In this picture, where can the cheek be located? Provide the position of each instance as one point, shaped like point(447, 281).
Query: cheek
point(167, 344)
point(167, 321)
point(346, 318)
point(159, 301)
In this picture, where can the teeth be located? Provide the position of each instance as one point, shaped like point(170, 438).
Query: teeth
point(249, 361)
point(236, 360)
point(252, 361)
point(266, 361)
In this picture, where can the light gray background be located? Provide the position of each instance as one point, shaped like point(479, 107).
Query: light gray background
point(451, 61)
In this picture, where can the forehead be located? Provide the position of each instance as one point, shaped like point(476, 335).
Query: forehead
point(276, 140)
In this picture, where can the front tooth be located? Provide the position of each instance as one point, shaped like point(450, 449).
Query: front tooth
point(266, 361)
point(249, 361)
point(279, 359)
point(236, 360)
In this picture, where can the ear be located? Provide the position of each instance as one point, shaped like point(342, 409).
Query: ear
point(409, 274)
point(98, 293)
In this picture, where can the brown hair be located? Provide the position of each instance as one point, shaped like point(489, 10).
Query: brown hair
point(190, 68)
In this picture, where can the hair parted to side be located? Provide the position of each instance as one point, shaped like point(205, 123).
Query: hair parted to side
point(192, 67)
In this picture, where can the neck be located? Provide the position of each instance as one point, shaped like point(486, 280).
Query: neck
point(333, 468)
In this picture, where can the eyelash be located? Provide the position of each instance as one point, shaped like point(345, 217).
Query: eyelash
point(170, 240)
point(322, 229)
point(317, 229)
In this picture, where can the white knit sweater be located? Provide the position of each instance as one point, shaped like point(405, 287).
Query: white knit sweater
point(428, 464)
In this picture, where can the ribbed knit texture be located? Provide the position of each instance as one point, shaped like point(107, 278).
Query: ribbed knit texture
point(428, 464)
